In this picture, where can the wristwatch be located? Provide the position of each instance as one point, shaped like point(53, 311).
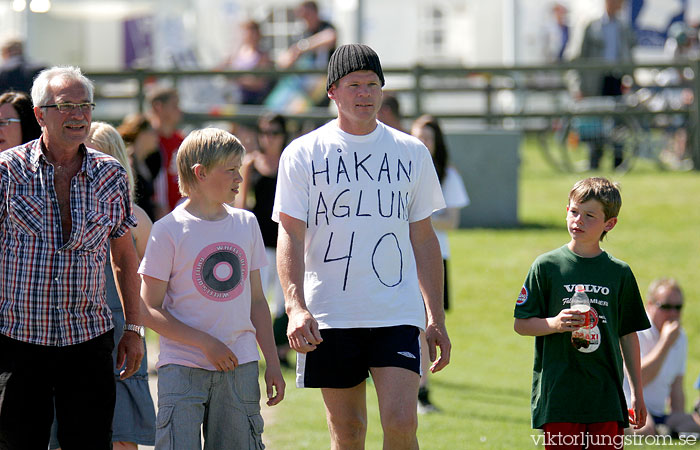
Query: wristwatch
point(138, 329)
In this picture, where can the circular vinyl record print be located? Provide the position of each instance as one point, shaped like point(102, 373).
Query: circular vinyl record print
point(220, 271)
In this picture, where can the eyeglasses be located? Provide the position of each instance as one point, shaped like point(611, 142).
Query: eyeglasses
point(71, 107)
point(6, 122)
point(668, 306)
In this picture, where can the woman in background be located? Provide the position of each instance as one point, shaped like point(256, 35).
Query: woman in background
point(17, 122)
point(252, 89)
point(427, 129)
point(259, 174)
point(144, 156)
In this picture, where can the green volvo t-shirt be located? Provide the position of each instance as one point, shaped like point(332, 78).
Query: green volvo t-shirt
point(580, 385)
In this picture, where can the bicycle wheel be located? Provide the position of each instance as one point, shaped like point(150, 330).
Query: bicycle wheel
point(549, 147)
point(626, 137)
point(575, 140)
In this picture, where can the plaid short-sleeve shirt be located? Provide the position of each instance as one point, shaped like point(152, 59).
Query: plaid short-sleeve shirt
point(53, 292)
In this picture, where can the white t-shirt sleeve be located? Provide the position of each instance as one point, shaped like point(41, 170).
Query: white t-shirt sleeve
point(292, 191)
point(158, 259)
point(427, 196)
point(453, 189)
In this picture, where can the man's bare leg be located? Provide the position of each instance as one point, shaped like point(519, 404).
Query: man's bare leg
point(397, 391)
point(346, 414)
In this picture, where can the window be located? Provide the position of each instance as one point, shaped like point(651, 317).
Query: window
point(280, 29)
point(432, 31)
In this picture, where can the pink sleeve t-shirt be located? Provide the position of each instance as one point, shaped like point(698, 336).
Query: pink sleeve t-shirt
point(207, 265)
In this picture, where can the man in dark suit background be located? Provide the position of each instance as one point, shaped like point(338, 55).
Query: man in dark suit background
point(16, 72)
point(608, 39)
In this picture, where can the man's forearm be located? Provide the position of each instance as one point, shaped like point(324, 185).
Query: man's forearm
point(653, 361)
point(290, 263)
point(426, 249)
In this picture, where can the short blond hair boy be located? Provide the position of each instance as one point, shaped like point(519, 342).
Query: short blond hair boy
point(207, 147)
point(203, 295)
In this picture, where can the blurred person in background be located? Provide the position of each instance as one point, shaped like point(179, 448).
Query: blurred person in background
point(681, 41)
point(17, 122)
point(134, 420)
point(317, 41)
point(556, 36)
point(16, 72)
point(246, 133)
point(427, 129)
point(681, 44)
point(311, 51)
point(252, 89)
point(390, 112)
point(608, 39)
point(165, 116)
point(664, 350)
point(259, 174)
point(142, 146)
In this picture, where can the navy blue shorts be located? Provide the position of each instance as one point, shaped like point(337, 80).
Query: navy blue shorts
point(345, 356)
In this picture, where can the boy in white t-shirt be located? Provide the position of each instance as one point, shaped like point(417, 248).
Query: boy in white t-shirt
point(203, 295)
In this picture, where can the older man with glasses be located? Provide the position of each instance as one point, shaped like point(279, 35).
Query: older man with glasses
point(60, 205)
point(664, 348)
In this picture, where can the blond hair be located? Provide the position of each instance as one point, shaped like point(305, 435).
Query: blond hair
point(105, 138)
point(661, 283)
point(207, 147)
point(602, 190)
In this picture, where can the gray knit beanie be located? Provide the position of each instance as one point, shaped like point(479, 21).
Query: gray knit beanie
point(351, 58)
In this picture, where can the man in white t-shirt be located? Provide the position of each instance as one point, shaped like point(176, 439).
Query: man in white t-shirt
point(358, 258)
point(664, 348)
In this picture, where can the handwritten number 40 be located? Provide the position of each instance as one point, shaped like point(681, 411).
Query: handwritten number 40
point(382, 273)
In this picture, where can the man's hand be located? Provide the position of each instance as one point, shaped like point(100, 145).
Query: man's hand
point(670, 331)
point(129, 350)
point(288, 57)
point(302, 331)
point(436, 336)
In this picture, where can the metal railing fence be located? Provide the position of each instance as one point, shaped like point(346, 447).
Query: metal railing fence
point(534, 94)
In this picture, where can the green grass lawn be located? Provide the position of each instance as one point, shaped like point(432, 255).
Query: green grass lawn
point(484, 393)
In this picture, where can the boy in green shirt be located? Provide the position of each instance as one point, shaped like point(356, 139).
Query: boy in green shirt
point(577, 395)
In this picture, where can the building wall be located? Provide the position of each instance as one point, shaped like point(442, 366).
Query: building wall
point(477, 32)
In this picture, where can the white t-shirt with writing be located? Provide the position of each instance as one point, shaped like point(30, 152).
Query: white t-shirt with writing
point(658, 390)
point(207, 265)
point(357, 196)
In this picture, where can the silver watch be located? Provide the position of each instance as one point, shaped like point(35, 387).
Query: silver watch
point(138, 329)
